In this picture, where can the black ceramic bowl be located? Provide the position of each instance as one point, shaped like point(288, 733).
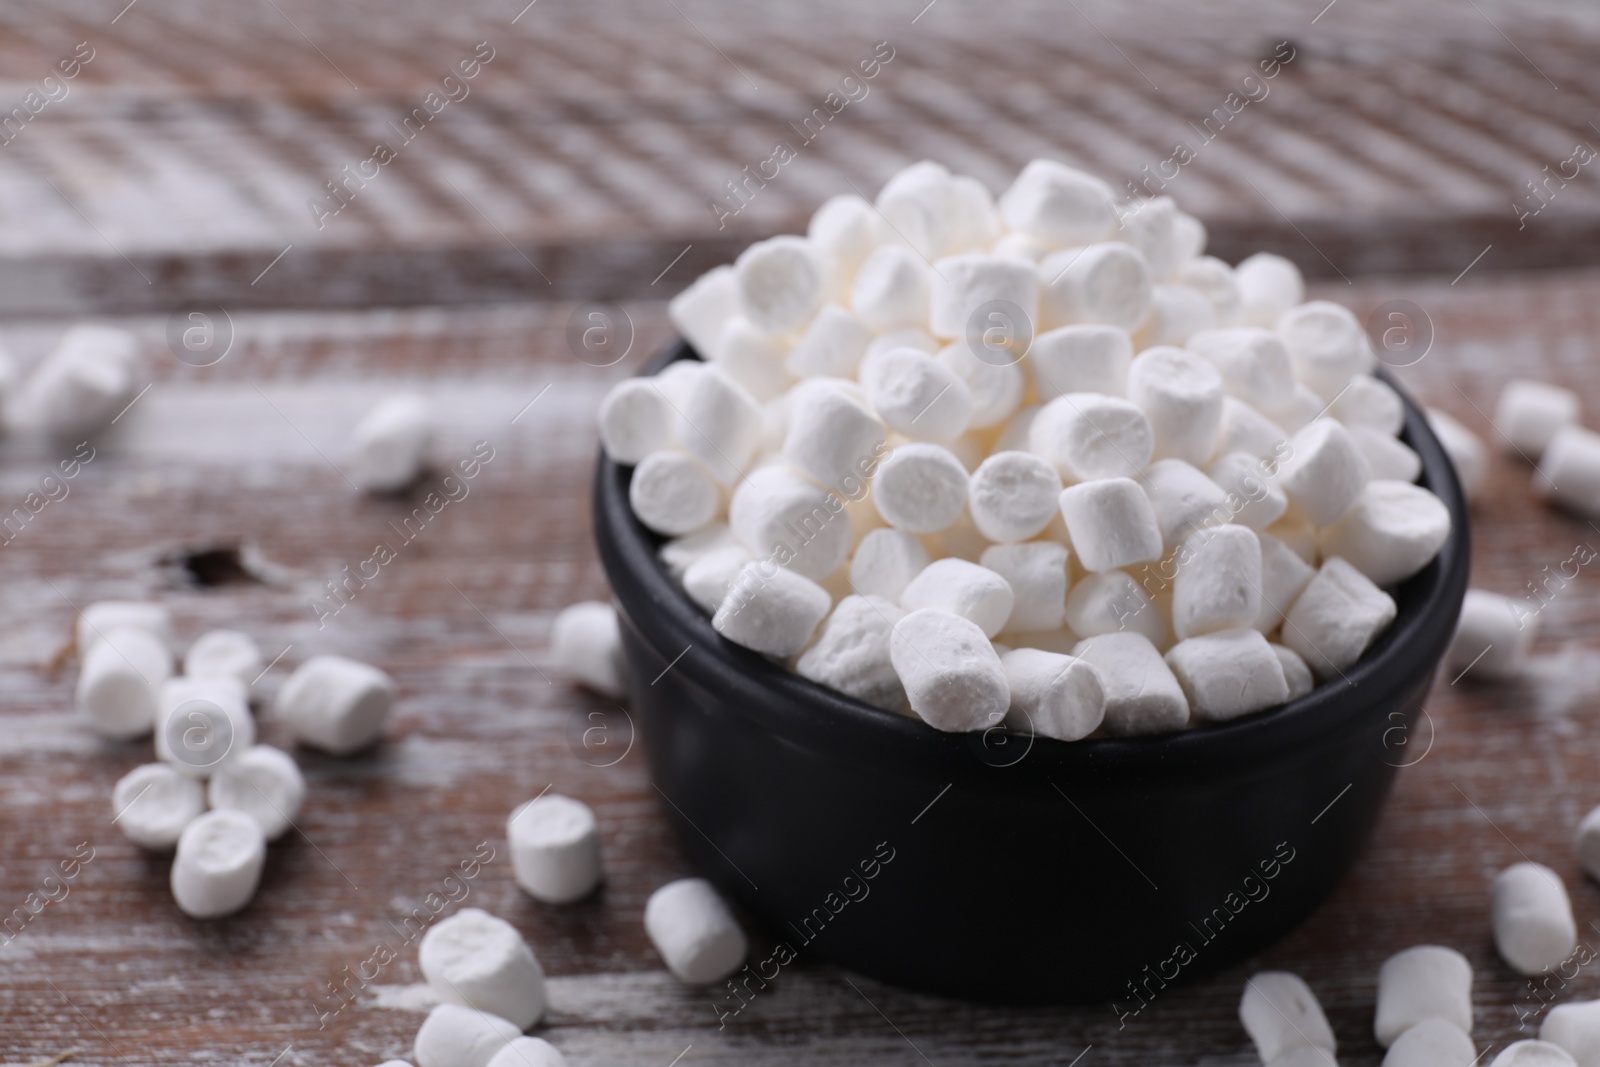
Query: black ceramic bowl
point(1002, 868)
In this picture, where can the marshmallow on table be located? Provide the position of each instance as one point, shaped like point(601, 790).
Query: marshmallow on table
point(719, 423)
point(1181, 394)
point(1588, 843)
point(84, 383)
point(920, 488)
point(454, 1036)
point(1421, 983)
point(1324, 472)
point(891, 290)
point(1212, 279)
point(1184, 499)
point(1112, 524)
point(992, 376)
point(202, 724)
point(780, 283)
point(1284, 576)
point(1228, 673)
point(1575, 1027)
point(1013, 436)
point(964, 284)
point(1113, 602)
point(1338, 614)
point(673, 493)
point(1036, 572)
point(1104, 284)
point(1389, 458)
point(1296, 675)
point(107, 616)
point(778, 514)
point(757, 360)
point(704, 308)
point(1218, 581)
point(885, 562)
point(119, 682)
point(1053, 695)
point(339, 705)
point(389, 446)
point(1326, 346)
point(952, 676)
point(1268, 285)
point(153, 803)
point(264, 783)
point(555, 848)
point(1533, 1054)
point(1432, 1043)
point(845, 230)
point(965, 589)
point(1254, 498)
point(1465, 449)
point(1370, 402)
point(916, 394)
point(1279, 1012)
point(481, 962)
point(636, 419)
point(1092, 435)
point(1244, 429)
point(218, 863)
point(1142, 696)
point(1391, 532)
point(1533, 925)
point(707, 579)
point(1058, 205)
point(1529, 414)
point(771, 609)
point(528, 1052)
point(694, 932)
point(1013, 496)
point(1177, 312)
point(223, 652)
point(1080, 359)
point(1569, 471)
point(832, 346)
point(1253, 364)
point(851, 654)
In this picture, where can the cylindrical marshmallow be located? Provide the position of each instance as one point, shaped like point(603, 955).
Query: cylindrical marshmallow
point(920, 488)
point(1391, 532)
point(757, 360)
point(228, 653)
point(636, 419)
point(851, 654)
point(479, 961)
point(528, 1052)
point(263, 782)
point(1533, 1054)
point(1218, 581)
point(1058, 205)
point(1465, 449)
point(833, 437)
point(1212, 279)
point(708, 578)
point(120, 680)
point(1244, 429)
point(992, 376)
point(555, 848)
point(1369, 402)
point(916, 394)
point(1184, 499)
point(1533, 925)
point(1100, 284)
point(1324, 472)
point(1420, 983)
point(1280, 1013)
point(340, 705)
point(1037, 574)
point(702, 310)
point(891, 290)
point(1080, 359)
point(1269, 285)
point(1569, 471)
point(1432, 1043)
point(81, 386)
point(1113, 602)
point(1253, 364)
point(1492, 634)
point(453, 1036)
point(1181, 394)
point(1142, 694)
point(107, 616)
point(845, 229)
point(1177, 313)
point(1112, 523)
point(1053, 695)
point(719, 423)
point(1254, 499)
point(1012, 496)
point(966, 589)
point(771, 609)
point(778, 514)
point(1295, 672)
point(586, 641)
point(153, 803)
point(1575, 1027)
point(673, 493)
point(1326, 346)
point(389, 446)
point(885, 562)
point(832, 346)
point(696, 934)
point(1529, 414)
point(1228, 673)
point(202, 724)
point(781, 283)
point(964, 284)
point(218, 864)
point(1092, 435)
point(1333, 620)
point(1151, 226)
point(953, 679)
point(1388, 457)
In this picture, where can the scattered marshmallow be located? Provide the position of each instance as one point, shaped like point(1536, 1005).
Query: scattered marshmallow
point(1465, 449)
point(1181, 394)
point(1228, 673)
point(1339, 613)
point(1280, 1013)
point(1091, 435)
point(339, 705)
point(1326, 346)
point(153, 803)
point(1432, 1043)
point(228, 653)
point(119, 683)
point(885, 562)
point(1105, 284)
point(952, 676)
point(1324, 472)
point(1268, 285)
point(389, 446)
point(202, 724)
point(1421, 983)
point(961, 588)
point(920, 488)
point(693, 930)
point(107, 616)
point(673, 493)
point(1142, 695)
point(780, 283)
point(218, 863)
point(916, 394)
point(454, 1036)
point(1112, 523)
point(1392, 531)
point(1575, 1027)
point(1053, 695)
point(1218, 581)
point(264, 783)
point(1533, 925)
point(851, 654)
point(528, 1052)
point(771, 609)
point(1013, 496)
point(1569, 471)
point(555, 848)
point(1533, 1054)
point(1080, 359)
point(1529, 414)
point(81, 386)
point(777, 514)
point(481, 962)
point(1036, 573)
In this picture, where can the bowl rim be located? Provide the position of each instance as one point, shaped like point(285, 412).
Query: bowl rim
point(808, 713)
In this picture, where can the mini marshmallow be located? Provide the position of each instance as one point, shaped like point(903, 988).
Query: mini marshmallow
point(845, 230)
point(1280, 1013)
point(202, 724)
point(1588, 843)
point(851, 654)
point(1212, 279)
point(1013, 436)
point(757, 360)
point(963, 284)
point(1269, 285)
point(1324, 472)
point(1090, 435)
point(702, 310)
point(218, 863)
point(1058, 205)
point(719, 423)
point(1244, 429)
point(264, 783)
point(1106, 284)
point(1533, 1054)
point(102, 618)
point(1112, 523)
point(478, 961)
point(922, 208)
point(528, 1052)
point(389, 446)
point(453, 1036)
point(1081, 359)
point(1529, 414)
point(920, 488)
point(1037, 575)
point(224, 652)
point(832, 346)
point(555, 848)
point(1253, 363)
point(1325, 345)
point(1181, 394)
point(771, 609)
point(1254, 498)
point(1114, 602)
point(1569, 471)
point(153, 803)
point(921, 340)
point(1019, 246)
point(916, 394)
point(1432, 1043)
point(121, 677)
point(708, 578)
point(1575, 1027)
point(1339, 613)
point(1142, 696)
point(891, 290)
point(1303, 408)
point(1228, 673)
point(1184, 499)
point(1425, 982)
point(1053, 695)
point(780, 283)
point(1295, 672)
point(1284, 576)
point(1189, 240)
point(693, 930)
point(885, 562)
point(953, 678)
point(1393, 530)
point(1533, 925)
point(975, 221)
point(1152, 227)
point(832, 437)
point(679, 553)
point(675, 379)
point(1465, 449)
point(673, 493)
point(1388, 458)
point(1012, 496)
point(1177, 313)
point(339, 705)
point(991, 374)
point(1296, 531)
point(1370, 402)
point(1218, 583)
point(961, 588)
point(81, 386)
point(777, 514)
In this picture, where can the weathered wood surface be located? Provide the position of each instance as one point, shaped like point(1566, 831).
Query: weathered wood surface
point(245, 452)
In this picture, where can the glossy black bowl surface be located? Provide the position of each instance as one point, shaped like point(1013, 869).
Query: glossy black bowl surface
point(1002, 868)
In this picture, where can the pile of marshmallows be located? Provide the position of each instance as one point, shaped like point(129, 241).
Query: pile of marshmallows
point(205, 743)
point(1027, 460)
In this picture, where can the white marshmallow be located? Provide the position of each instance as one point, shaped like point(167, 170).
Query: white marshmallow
point(1112, 523)
point(757, 360)
point(1184, 499)
point(389, 446)
point(702, 310)
point(153, 803)
point(264, 783)
point(1387, 458)
point(202, 724)
point(1244, 429)
point(845, 230)
point(885, 562)
point(953, 678)
point(693, 930)
point(1181, 394)
point(719, 423)
point(1114, 602)
point(1533, 1054)
point(1304, 1056)
point(1253, 363)
point(1533, 925)
point(991, 374)
point(1295, 672)
point(1053, 695)
point(921, 340)
point(1325, 471)
point(777, 514)
point(780, 283)
point(961, 588)
point(975, 221)
point(921, 207)
point(1090, 435)
point(1325, 345)
point(224, 652)
point(453, 1036)
point(1296, 531)
point(1228, 673)
point(1575, 1027)
point(833, 438)
point(218, 863)
point(1280, 1013)
point(1587, 844)
point(555, 848)
point(673, 493)
point(1569, 471)
point(1107, 284)
point(118, 684)
point(1372, 403)
point(832, 346)
point(1019, 246)
point(99, 619)
point(1338, 614)
point(1420, 983)
point(1393, 530)
point(1284, 576)
point(679, 553)
point(481, 962)
point(1529, 414)
point(1081, 359)
point(771, 609)
point(1254, 498)
point(339, 705)
point(1214, 280)
point(1013, 436)
point(851, 654)
point(1269, 285)
point(963, 284)
point(1432, 1043)
point(81, 386)
point(707, 579)
point(891, 290)
point(1465, 449)
point(1218, 581)
point(1036, 572)
point(1177, 313)
point(920, 488)
point(528, 1052)
point(1189, 239)
point(1305, 407)
point(675, 379)
point(916, 394)
point(1142, 695)
point(1058, 205)
point(1012, 496)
